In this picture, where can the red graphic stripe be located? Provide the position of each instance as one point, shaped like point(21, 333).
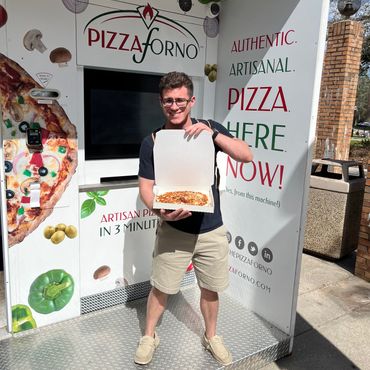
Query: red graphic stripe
point(122, 16)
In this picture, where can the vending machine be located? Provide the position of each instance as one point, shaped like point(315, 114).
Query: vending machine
point(79, 92)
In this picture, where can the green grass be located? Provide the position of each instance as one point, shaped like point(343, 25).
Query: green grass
point(360, 142)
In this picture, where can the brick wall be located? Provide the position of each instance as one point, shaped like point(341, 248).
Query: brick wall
point(362, 268)
point(338, 89)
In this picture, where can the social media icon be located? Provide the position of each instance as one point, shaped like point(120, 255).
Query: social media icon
point(239, 242)
point(267, 255)
point(252, 248)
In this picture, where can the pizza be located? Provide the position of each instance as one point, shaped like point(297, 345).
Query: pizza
point(35, 178)
point(194, 198)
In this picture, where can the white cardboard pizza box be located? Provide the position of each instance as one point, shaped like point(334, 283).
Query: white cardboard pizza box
point(181, 163)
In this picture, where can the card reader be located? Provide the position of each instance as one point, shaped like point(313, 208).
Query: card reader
point(34, 139)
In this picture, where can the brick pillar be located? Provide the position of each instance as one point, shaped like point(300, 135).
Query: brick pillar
point(362, 268)
point(338, 89)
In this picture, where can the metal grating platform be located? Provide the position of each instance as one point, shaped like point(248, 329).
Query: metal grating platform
point(107, 339)
point(117, 296)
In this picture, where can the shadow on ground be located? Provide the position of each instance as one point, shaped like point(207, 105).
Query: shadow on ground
point(348, 262)
point(312, 351)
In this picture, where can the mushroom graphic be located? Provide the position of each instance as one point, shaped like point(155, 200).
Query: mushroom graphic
point(185, 5)
point(76, 6)
point(61, 56)
point(102, 272)
point(32, 40)
point(3, 16)
point(211, 26)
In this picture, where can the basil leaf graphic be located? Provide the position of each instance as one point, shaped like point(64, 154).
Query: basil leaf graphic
point(87, 208)
point(100, 201)
point(101, 193)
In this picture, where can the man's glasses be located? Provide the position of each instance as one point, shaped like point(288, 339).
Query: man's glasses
point(180, 102)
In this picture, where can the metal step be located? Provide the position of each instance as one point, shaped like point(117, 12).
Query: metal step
point(107, 339)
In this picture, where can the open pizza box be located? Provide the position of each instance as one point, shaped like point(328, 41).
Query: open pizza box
point(183, 164)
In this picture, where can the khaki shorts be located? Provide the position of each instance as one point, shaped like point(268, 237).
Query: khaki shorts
point(174, 250)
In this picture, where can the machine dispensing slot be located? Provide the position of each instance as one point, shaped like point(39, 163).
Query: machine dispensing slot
point(44, 94)
point(118, 178)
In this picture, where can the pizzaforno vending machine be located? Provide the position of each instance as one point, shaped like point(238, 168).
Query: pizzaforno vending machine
point(78, 93)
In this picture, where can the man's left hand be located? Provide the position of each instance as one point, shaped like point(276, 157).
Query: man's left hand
point(196, 129)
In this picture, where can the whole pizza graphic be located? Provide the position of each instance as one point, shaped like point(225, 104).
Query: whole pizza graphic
point(36, 175)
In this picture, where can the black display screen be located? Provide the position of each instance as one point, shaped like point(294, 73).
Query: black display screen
point(121, 108)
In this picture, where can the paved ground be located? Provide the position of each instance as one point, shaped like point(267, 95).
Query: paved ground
point(333, 318)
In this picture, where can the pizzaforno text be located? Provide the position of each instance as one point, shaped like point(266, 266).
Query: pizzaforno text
point(132, 43)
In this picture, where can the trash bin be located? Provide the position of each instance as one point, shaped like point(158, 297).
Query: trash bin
point(334, 207)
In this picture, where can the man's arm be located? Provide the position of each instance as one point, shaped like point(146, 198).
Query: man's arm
point(146, 193)
point(237, 149)
point(147, 196)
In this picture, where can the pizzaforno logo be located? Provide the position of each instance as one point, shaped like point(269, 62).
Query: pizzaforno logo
point(115, 30)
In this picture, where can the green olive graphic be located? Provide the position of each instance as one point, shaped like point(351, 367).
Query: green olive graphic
point(58, 237)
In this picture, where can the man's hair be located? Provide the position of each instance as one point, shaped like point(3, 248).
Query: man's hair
point(175, 80)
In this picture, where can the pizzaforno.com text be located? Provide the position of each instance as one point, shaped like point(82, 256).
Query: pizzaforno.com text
point(250, 279)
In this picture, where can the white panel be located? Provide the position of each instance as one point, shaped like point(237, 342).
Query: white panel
point(120, 236)
point(268, 74)
point(57, 26)
point(142, 37)
point(36, 255)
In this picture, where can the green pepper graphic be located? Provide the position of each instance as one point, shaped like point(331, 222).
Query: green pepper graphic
point(22, 318)
point(51, 291)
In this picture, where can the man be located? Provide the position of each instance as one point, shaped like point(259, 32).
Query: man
point(183, 236)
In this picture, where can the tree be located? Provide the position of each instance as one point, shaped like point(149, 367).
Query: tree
point(363, 87)
point(362, 99)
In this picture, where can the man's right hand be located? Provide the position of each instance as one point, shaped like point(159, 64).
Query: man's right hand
point(170, 215)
